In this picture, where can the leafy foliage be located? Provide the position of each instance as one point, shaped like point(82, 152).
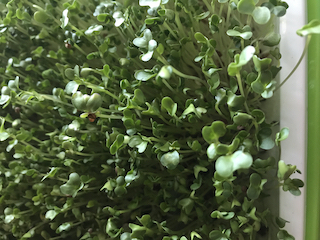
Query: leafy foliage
point(138, 119)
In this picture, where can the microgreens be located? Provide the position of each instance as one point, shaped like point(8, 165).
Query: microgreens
point(140, 119)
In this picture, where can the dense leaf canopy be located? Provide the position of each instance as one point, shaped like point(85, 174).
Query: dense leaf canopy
point(139, 119)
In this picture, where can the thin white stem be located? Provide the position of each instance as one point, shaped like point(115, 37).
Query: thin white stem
point(298, 63)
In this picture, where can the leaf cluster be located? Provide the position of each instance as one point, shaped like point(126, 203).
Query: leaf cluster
point(138, 119)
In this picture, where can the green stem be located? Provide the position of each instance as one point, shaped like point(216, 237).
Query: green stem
point(98, 89)
point(186, 151)
point(81, 33)
point(219, 59)
point(220, 113)
point(249, 18)
point(130, 30)
point(36, 149)
point(188, 76)
point(160, 58)
point(146, 127)
point(35, 6)
point(57, 178)
point(133, 22)
point(255, 99)
point(221, 9)
point(36, 139)
point(90, 189)
point(298, 63)
point(50, 97)
point(139, 65)
point(279, 154)
point(22, 30)
point(180, 27)
point(242, 92)
point(25, 212)
point(109, 116)
point(85, 154)
point(56, 238)
point(120, 33)
point(190, 66)
point(170, 30)
point(79, 49)
point(208, 6)
point(195, 23)
point(168, 86)
point(155, 139)
point(228, 17)
point(109, 110)
point(165, 120)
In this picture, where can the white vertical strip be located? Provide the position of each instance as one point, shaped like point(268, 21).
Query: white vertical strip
point(293, 112)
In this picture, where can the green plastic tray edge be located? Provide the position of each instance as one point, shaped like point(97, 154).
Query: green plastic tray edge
point(312, 227)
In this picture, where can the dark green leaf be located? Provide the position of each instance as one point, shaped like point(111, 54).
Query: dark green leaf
point(313, 27)
point(200, 37)
point(246, 6)
point(261, 15)
point(282, 135)
point(170, 160)
point(72, 186)
point(168, 104)
point(144, 75)
point(213, 132)
point(272, 39)
point(40, 16)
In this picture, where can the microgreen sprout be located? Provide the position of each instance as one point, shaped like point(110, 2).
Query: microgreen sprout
point(141, 119)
